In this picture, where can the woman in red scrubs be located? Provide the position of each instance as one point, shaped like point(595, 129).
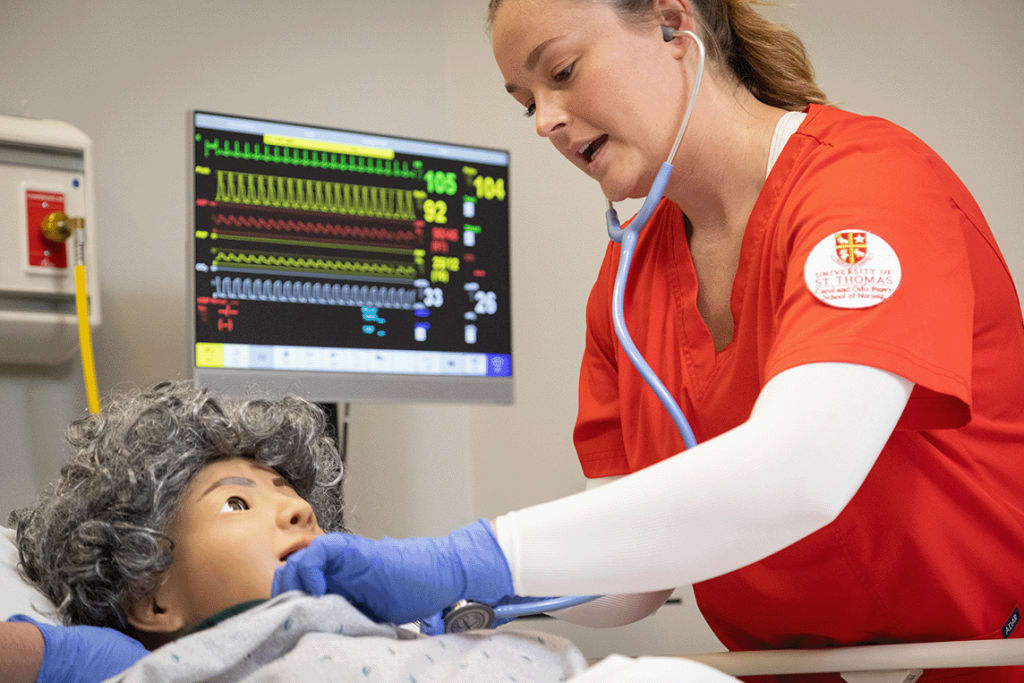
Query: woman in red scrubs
point(826, 302)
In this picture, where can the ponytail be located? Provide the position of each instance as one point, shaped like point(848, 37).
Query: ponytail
point(766, 57)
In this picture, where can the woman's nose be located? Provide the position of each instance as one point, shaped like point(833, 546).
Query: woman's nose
point(550, 116)
point(295, 512)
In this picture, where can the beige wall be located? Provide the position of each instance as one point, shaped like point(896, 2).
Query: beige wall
point(125, 72)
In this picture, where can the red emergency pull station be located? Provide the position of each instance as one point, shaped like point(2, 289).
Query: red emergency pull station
point(42, 253)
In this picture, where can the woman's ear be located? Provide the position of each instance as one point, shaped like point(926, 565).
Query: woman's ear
point(160, 612)
point(677, 14)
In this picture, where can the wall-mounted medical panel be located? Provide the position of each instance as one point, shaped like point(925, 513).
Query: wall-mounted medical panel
point(45, 168)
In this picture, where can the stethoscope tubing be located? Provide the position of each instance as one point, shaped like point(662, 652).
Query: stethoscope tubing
point(627, 238)
point(539, 606)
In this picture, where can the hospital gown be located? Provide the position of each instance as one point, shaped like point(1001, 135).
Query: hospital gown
point(326, 638)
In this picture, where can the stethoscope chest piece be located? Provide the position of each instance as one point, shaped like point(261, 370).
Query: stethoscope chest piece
point(466, 615)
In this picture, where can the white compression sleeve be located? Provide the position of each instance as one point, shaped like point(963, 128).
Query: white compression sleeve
point(615, 609)
point(735, 499)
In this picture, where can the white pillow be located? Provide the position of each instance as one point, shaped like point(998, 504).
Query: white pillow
point(18, 596)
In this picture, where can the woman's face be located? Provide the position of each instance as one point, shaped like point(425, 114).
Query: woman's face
point(607, 94)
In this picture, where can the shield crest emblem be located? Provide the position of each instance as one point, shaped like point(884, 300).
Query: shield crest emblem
point(851, 246)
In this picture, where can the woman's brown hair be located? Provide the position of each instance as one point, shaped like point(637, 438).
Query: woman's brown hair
point(765, 56)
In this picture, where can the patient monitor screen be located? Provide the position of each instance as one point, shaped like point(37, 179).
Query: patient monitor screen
point(324, 250)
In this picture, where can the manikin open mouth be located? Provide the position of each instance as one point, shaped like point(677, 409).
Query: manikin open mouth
point(588, 150)
point(291, 551)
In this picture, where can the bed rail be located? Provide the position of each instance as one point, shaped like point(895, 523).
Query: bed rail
point(898, 663)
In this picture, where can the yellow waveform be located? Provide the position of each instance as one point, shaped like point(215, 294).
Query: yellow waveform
point(307, 264)
point(314, 195)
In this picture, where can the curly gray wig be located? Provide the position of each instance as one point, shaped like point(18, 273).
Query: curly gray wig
point(97, 537)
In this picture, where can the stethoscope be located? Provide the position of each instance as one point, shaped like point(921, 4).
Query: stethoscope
point(468, 615)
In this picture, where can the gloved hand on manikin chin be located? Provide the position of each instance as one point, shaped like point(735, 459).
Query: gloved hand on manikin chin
point(401, 580)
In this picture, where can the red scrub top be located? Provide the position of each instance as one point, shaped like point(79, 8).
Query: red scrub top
point(932, 545)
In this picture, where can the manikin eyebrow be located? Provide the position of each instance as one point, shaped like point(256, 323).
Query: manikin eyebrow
point(532, 59)
point(229, 481)
point(240, 481)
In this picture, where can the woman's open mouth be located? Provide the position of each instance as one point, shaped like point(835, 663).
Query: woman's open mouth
point(589, 150)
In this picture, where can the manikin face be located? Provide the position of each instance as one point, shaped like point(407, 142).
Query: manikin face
point(607, 94)
point(236, 525)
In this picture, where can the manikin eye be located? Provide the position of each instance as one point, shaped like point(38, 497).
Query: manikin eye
point(234, 504)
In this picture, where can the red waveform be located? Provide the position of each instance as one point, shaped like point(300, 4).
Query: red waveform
point(317, 228)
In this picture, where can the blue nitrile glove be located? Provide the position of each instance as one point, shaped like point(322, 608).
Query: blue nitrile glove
point(83, 654)
point(401, 580)
point(432, 625)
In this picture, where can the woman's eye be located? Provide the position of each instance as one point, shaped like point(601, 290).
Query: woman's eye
point(564, 73)
point(530, 109)
point(234, 504)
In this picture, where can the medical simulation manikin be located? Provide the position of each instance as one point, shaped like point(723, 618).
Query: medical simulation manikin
point(175, 506)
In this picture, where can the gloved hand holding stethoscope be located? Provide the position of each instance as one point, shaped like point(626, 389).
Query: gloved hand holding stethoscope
point(402, 580)
point(458, 576)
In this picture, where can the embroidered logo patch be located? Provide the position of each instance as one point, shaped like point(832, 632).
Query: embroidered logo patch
point(852, 269)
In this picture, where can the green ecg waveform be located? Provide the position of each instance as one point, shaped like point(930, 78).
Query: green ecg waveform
point(314, 195)
point(275, 154)
point(312, 264)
